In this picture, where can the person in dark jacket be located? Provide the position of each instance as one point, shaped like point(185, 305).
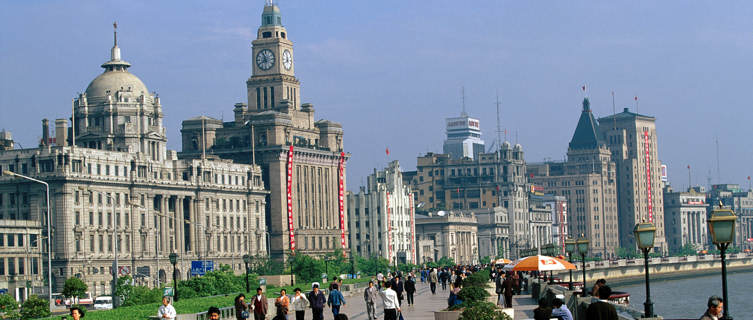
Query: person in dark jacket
point(410, 289)
point(317, 301)
point(335, 300)
point(241, 307)
point(543, 312)
point(508, 286)
point(443, 277)
point(602, 310)
point(399, 286)
point(260, 305)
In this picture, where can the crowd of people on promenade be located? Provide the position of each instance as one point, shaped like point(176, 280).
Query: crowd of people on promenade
point(395, 289)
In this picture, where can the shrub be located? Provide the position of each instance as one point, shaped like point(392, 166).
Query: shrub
point(7, 303)
point(478, 279)
point(35, 307)
point(471, 294)
point(480, 310)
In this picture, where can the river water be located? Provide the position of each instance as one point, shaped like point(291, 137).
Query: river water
point(686, 298)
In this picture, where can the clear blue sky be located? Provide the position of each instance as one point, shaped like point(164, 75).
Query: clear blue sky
point(391, 71)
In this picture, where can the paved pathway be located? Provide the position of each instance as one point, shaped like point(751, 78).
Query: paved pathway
point(425, 305)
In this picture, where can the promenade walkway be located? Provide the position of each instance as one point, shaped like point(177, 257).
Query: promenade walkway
point(424, 307)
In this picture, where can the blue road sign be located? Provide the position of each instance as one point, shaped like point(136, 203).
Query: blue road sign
point(201, 267)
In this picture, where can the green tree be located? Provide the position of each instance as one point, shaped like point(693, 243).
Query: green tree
point(306, 268)
point(7, 303)
point(124, 288)
point(35, 307)
point(623, 253)
point(446, 262)
point(486, 260)
point(143, 295)
point(74, 288)
point(372, 266)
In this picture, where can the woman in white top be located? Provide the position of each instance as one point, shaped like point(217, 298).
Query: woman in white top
point(300, 303)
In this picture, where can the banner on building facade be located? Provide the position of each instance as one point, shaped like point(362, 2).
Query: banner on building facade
point(290, 199)
point(340, 192)
point(412, 231)
point(389, 229)
point(648, 177)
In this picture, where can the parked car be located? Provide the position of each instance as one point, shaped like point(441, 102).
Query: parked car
point(103, 303)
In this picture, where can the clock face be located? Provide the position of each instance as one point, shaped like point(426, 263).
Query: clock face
point(265, 59)
point(287, 59)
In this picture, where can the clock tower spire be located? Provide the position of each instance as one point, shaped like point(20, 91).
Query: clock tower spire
point(272, 84)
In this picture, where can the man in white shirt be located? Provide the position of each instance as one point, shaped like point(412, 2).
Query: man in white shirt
point(166, 310)
point(391, 304)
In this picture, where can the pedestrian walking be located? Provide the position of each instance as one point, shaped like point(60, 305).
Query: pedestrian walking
point(390, 302)
point(508, 287)
point(335, 300)
point(166, 310)
point(213, 313)
point(499, 287)
point(299, 303)
point(443, 277)
point(433, 279)
point(399, 286)
point(317, 301)
point(369, 296)
point(715, 309)
point(410, 289)
point(260, 305)
point(283, 304)
point(241, 308)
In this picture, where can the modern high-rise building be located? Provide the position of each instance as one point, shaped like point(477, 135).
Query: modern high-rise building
point(588, 180)
point(632, 140)
point(685, 219)
point(382, 217)
point(463, 137)
point(116, 191)
point(302, 159)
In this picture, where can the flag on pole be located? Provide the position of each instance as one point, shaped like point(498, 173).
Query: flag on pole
point(584, 88)
point(387, 151)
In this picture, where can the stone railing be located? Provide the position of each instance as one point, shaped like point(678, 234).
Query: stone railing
point(576, 304)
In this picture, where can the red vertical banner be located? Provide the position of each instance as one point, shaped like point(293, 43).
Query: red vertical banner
point(290, 199)
point(648, 177)
point(412, 231)
point(389, 229)
point(340, 194)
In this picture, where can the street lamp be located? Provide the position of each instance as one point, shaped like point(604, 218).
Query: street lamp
point(173, 260)
point(644, 235)
point(582, 244)
point(570, 249)
point(246, 260)
point(49, 234)
point(722, 227)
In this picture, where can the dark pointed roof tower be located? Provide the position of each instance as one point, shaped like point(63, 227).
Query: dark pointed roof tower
point(586, 136)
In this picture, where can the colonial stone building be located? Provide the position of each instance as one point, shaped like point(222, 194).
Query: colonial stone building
point(302, 159)
point(116, 190)
point(493, 232)
point(490, 180)
point(634, 146)
point(588, 180)
point(685, 219)
point(451, 234)
point(741, 202)
point(381, 217)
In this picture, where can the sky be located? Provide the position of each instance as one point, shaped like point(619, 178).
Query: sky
point(391, 71)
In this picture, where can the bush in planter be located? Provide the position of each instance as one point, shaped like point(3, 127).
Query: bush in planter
point(472, 294)
point(479, 279)
point(480, 310)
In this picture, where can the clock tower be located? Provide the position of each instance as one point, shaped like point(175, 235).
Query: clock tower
point(272, 85)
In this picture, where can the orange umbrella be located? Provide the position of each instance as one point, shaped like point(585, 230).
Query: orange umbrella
point(540, 263)
point(502, 261)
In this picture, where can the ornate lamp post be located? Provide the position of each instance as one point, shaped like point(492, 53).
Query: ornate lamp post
point(570, 249)
point(722, 227)
point(246, 260)
point(582, 245)
point(173, 260)
point(644, 236)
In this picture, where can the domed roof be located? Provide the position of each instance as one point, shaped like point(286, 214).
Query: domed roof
point(113, 81)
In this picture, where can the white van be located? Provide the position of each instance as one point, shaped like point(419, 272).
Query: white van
point(103, 303)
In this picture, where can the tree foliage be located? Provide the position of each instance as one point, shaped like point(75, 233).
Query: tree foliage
point(139, 295)
point(486, 260)
point(373, 265)
point(74, 287)
point(7, 303)
point(124, 288)
point(35, 307)
point(446, 262)
point(263, 265)
point(215, 282)
point(479, 310)
point(306, 268)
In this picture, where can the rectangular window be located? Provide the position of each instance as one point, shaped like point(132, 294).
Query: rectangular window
point(78, 218)
point(11, 240)
point(91, 243)
point(272, 94)
point(2, 239)
point(258, 98)
point(265, 97)
point(12, 266)
point(34, 266)
point(2, 266)
point(101, 244)
point(33, 240)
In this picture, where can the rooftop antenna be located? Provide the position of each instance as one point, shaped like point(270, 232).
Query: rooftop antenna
point(718, 171)
point(614, 113)
point(499, 130)
point(708, 179)
point(690, 185)
point(115, 33)
point(203, 141)
point(462, 94)
point(636, 103)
